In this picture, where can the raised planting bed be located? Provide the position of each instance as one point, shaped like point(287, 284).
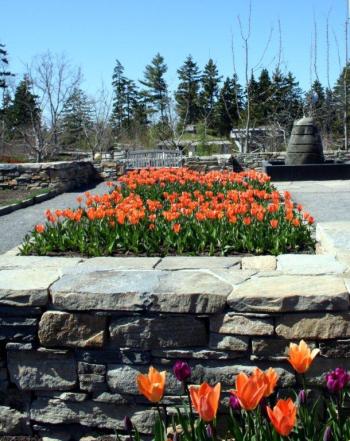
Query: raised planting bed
point(158, 212)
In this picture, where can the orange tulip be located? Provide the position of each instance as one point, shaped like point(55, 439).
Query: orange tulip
point(152, 385)
point(39, 228)
point(283, 416)
point(205, 400)
point(301, 356)
point(269, 378)
point(249, 390)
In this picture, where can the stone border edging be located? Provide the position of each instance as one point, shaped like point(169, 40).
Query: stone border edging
point(7, 209)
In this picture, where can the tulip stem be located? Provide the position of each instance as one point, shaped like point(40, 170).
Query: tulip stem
point(191, 411)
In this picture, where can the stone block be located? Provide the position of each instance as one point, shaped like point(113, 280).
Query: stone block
point(228, 342)
point(122, 379)
point(58, 328)
point(269, 348)
point(314, 326)
point(290, 293)
point(116, 264)
point(259, 263)
point(89, 368)
point(161, 291)
point(26, 287)
point(232, 323)
point(42, 370)
point(13, 422)
point(92, 382)
point(198, 262)
point(309, 264)
point(196, 354)
point(157, 332)
point(91, 414)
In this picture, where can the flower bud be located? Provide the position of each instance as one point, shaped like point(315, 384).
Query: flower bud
point(182, 370)
point(127, 424)
point(302, 397)
point(234, 403)
point(327, 436)
point(209, 431)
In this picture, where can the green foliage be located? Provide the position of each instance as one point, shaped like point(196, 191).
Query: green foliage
point(156, 89)
point(187, 94)
point(229, 106)
point(210, 89)
point(76, 120)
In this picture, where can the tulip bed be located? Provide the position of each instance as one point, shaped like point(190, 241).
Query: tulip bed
point(255, 411)
point(178, 211)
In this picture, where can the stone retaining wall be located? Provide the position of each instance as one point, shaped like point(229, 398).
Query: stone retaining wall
point(74, 333)
point(250, 160)
point(59, 175)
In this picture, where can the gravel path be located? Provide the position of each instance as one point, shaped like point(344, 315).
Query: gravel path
point(14, 226)
point(327, 201)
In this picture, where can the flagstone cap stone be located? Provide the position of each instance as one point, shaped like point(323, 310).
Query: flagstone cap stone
point(309, 264)
point(288, 293)
point(162, 291)
point(26, 287)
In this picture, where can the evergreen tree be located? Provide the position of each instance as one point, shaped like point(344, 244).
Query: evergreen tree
point(229, 106)
point(23, 112)
point(315, 101)
point(339, 101)
point(156, 92)
point(286, 100)
point(263, 98)
point(210, 88)
point(252, 99)
point(187, 94)
point(4, 72)
point(119, 83)
point(76, 119)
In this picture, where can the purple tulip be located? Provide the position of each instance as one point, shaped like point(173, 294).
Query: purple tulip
point(337, 380)
point(127, 424)
point(182, 370)
point(327, 436)
point(302, 397)
point(209, 431)
point(234, 403)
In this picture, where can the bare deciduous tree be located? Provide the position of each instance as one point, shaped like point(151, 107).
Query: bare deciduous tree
point(53, 78)
point(98, 133)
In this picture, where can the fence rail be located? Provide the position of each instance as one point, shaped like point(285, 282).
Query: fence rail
point(153, 158)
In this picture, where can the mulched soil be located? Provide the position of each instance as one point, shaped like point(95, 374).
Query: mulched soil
point(9, 196)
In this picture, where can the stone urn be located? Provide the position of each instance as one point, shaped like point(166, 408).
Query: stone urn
point(305, 144)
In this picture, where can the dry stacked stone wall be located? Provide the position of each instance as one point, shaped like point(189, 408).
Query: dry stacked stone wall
point(74, 333)
point(62, 176)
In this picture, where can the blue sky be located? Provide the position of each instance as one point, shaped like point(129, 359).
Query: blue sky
point(93, 33)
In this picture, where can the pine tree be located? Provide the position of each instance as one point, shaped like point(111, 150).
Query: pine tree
point(339, 101)
point(4, 72)
point(23, 111)
point(156, 92)
point(187, 94)
point(252, 99)
point(76, 119)
point(210, 88)
point(119, 83)
point(229, 106)
point(263, 98)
